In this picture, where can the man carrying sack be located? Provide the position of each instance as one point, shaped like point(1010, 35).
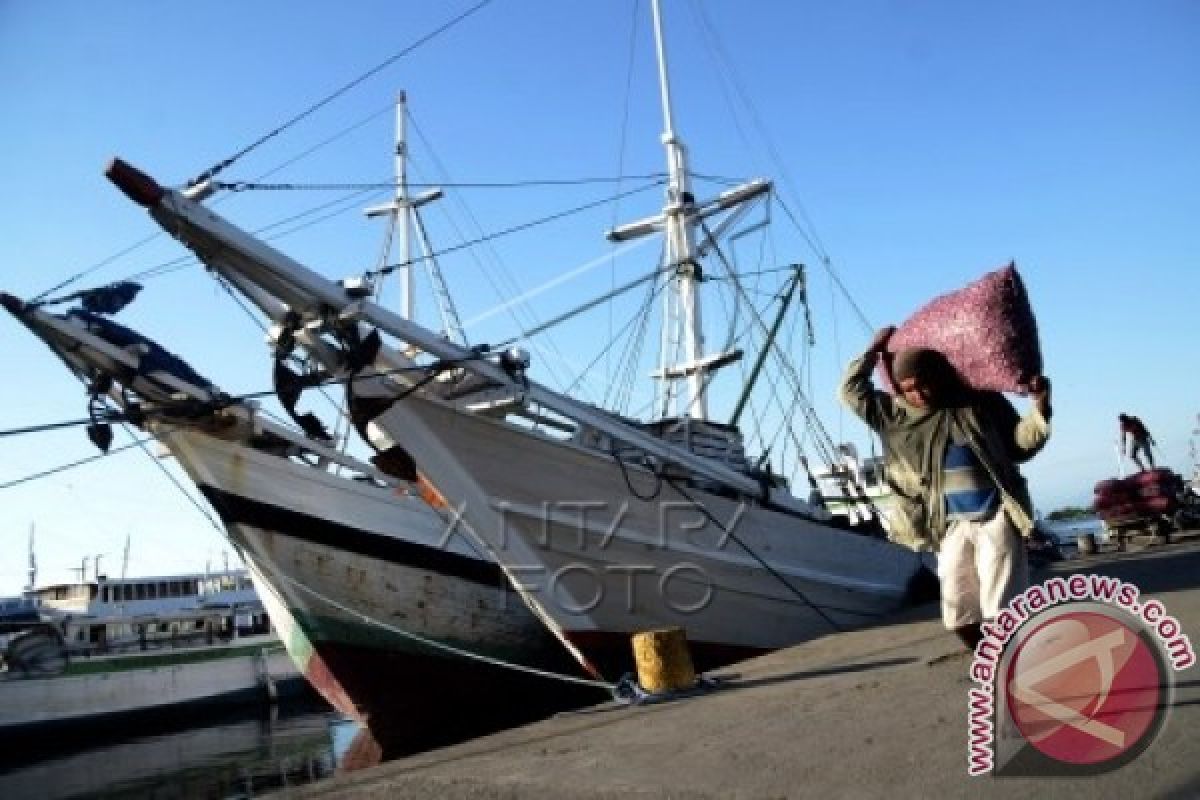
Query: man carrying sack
point(952, 454)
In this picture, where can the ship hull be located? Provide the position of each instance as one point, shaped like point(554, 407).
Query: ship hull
point(375, 601)
point(607, 549)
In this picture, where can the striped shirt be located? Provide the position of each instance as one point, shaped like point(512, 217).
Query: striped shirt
point(970, 492)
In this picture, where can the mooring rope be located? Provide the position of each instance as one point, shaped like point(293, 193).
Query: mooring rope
point(435, 644)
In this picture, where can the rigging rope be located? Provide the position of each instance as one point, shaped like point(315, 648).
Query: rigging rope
point(223, 400)
point(256, 320)
point(495, 272)
point(827, 263)
point(774, 573)
point(616, 210)
point(222, 165)
point(175, 481)
point(583, 308)
point(613, 339)
point(178, 262)
point(434, 643)
point(807, 230)
point(813, 422)
point(664, 477)
point(390, 268)
point(51, 426)
point(622, 386)
point(247, 186)
point(64, 467)
point(94, 267)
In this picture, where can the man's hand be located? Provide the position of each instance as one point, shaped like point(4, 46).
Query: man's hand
point(1039, 389)
point(879, 343)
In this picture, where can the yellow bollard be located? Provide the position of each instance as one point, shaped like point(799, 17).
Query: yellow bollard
point(663, 661)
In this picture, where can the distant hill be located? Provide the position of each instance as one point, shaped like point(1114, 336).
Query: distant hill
point(1069, 513)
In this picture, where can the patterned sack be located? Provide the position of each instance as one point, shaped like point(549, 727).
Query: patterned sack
point(986, 330)
point(1144, 493)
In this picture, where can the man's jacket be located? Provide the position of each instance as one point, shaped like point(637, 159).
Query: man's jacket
point(914, 447)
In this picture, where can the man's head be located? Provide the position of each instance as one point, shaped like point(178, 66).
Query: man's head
point(924, 377)
point(1123, 417)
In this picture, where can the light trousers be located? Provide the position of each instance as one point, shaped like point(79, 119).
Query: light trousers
point(981, 566)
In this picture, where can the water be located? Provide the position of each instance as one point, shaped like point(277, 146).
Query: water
point(233, 756)
point(245, 752)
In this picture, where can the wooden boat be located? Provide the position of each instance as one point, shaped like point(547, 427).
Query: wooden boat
point(574, 501)
point(376, 598)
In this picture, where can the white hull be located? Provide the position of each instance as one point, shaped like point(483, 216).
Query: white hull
point(628, 565)
point(343, 566)
point(370, 590)
point(74, 698)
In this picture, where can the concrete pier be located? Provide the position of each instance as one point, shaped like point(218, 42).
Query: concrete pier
point(870, 713)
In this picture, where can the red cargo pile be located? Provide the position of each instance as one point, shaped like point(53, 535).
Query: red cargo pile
point(1144, 494)
point(986, 330)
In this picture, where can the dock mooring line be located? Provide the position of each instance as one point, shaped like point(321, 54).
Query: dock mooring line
point(433, 643)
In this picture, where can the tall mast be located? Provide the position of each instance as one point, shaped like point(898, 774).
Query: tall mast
point(408, 301)
point(402, 214)
point(397, 210)
point(32, 563)
point(683, 302)
point(682, 214)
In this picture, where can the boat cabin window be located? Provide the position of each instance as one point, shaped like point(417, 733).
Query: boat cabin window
point(139, 591)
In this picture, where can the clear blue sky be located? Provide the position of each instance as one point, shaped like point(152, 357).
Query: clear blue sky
point(928, 141)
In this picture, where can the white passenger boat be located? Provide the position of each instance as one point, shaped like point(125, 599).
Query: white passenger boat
point(73, 653)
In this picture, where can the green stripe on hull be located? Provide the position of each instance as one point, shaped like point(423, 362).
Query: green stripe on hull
point(342, 633)
point(93, 666)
